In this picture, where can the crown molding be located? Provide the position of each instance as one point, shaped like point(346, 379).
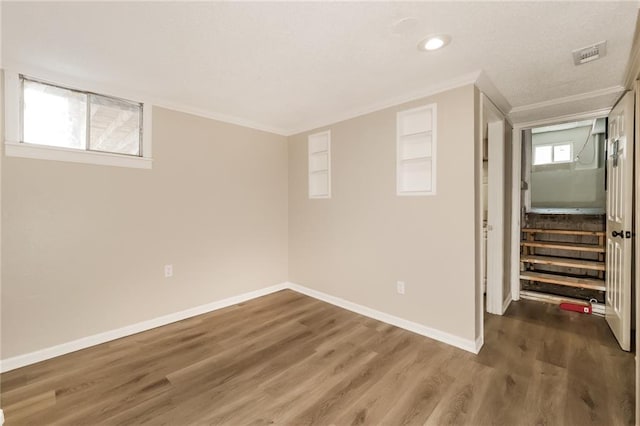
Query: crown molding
point(225, 118)
point(113, 90)
point(487, 87)
point(567, 99)
point(478, 78)
point(444, 86)
point(562, 119)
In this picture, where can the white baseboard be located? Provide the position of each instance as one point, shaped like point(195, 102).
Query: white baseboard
point(451, 339)
point(85, 342)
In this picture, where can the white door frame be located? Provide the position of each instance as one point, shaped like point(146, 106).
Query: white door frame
point(636, 280)
point(491, 117)
point(516, 179)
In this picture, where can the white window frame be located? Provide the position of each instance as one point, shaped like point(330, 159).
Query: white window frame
point(553, 145)
point(313, 173)
point(401, 138)
point(15, 147)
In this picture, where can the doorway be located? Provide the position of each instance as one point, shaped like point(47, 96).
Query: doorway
point(590, 178)
point(496, 206)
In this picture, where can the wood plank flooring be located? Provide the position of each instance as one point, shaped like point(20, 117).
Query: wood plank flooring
point(290, 359)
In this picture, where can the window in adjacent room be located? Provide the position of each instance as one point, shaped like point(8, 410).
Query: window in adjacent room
point(320, 165)
point(416, 151)
point(549, 154)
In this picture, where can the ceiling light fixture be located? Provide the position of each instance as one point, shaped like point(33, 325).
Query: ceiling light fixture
point(434, 42)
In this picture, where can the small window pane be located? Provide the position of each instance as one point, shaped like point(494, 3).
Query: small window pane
point(542, 155)
point(115, 125)
point(53, 116)
point(561, 153)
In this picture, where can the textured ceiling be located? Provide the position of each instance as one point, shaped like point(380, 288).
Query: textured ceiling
point(289, 67)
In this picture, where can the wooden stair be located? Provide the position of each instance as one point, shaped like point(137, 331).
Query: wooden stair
point(562, 232)
point(590, 283)
point(563, 246)
point(568, 262)
point(530, 259)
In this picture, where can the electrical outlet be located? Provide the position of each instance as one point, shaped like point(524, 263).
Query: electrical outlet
point(168, 271)
point(400, 287)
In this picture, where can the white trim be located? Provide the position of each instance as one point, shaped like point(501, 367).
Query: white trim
point(486, 86)
point(85, 342)
point(43, 152)
point(516, 181)
point(516, 208)
point(1, 412)
point(147, 130)
point(12, 363)
point(478, 78)
point(327, 135)
point(469, 345)
point(224, 118)
point(15, 148)
point(603, 112)
point(433, 107)
point(597, 308)
point(636, 239)
point(445, 86)
point(493, 118)
point(112, 90)
point(566, 99)
point(506, 303)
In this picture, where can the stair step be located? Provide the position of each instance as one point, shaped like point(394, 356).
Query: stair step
point(564, 261)
point(564, 246)
point(563, 232)
point(590, 283)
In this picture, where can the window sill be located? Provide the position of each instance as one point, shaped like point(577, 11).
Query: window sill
point(41, 152)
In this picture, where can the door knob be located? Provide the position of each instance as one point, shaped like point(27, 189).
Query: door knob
point(617, 234)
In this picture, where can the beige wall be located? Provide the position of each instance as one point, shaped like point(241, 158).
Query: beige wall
point(84, 245)
point(357, 244)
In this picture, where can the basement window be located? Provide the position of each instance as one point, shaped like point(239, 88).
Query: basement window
point(60, 123)
point(552, 154)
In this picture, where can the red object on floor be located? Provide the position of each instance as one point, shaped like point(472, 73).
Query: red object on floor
point(584, 308)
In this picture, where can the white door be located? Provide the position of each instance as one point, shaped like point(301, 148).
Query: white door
point(620, 219)
point(495, 218)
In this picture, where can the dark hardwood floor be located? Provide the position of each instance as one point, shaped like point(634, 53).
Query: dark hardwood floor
point(290, 359)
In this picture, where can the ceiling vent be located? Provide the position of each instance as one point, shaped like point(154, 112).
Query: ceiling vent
point(590, 53)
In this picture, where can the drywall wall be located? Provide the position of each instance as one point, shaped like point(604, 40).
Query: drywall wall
point(359, 243)
point(84, 245)
point(576, 184)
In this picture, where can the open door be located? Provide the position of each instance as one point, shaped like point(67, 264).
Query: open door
point(495, 217)
point(620, 147)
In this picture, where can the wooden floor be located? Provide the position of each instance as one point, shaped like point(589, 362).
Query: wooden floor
point(289, 359)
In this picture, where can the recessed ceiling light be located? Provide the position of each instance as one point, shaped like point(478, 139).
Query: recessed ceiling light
point(434, 42)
